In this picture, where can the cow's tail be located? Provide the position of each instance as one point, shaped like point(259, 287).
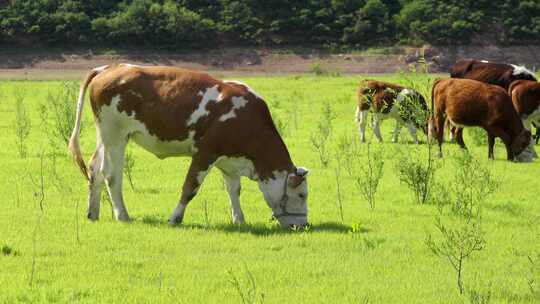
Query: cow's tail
point(431, 118)
point(74, 144)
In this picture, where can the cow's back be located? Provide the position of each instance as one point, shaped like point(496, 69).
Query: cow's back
point(469, 101)
point(173, 112)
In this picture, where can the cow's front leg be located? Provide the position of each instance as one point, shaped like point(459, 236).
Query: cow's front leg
point(377, 126)
point(361, 116)
point(198, 170)
point(233, 188)
point(491, 143)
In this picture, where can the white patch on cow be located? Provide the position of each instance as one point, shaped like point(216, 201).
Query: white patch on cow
point(238, 103)
point(122, 81)
point(404, 93)
point(101, 68)
point(273, 188)
point(111, 121)
point(237, 166)
point(130, 65)
point(484, 61)
point(211, 94)
point(521, 70)
point(244, 85)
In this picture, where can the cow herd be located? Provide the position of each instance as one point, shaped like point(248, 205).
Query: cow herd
point(503, 99)
point(224, 124)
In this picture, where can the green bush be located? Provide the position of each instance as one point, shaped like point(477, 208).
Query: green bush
point(207, 23)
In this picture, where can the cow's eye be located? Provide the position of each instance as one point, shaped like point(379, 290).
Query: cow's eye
point(301, 195)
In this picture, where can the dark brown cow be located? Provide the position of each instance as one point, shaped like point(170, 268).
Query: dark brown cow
point(385, 100)
point(500, 74)
point(175, 112)
point(466, 103)
point(526, 99)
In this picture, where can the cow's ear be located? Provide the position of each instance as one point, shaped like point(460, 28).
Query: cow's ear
point(301, 171)
point(295, 179)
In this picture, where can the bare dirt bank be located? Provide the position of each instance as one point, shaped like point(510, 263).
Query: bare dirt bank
point(63, 64)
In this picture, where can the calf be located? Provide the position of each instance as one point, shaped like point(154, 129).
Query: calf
point(526, 99)
point(176, 112)
point(406, 106)
point(467, 103)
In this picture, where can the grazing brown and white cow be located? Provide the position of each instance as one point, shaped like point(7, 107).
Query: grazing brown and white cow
point(467, 103)
point(176, 112)
point(500, 74)
point(526, 99)
point(385, 100)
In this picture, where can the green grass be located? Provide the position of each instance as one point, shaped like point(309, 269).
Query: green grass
point(384, 261)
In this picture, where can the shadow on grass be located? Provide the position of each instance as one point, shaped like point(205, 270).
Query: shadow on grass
point(271, 228)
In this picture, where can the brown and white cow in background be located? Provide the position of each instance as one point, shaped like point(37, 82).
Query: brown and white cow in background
point(390, 100)
point(526, 99)
point(466, 103)
point(499, 74)
point(176, 112)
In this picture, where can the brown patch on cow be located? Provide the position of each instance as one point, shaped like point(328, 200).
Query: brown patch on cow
point(378, 95)
point(474, 103)
point(163, 99)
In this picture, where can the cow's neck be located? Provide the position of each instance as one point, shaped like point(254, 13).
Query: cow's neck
point(271, 161)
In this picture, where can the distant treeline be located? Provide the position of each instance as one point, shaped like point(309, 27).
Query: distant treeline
point(211, 23)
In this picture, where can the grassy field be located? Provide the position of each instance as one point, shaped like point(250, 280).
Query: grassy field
point(51, 253)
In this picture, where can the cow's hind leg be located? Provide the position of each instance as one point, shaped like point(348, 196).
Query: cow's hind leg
point(96, 182)
point(233, 188)
point(112, 168)
point(199, 168)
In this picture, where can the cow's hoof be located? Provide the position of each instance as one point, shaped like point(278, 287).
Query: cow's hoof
point(92, 216)
point(238, 221)
point(123, 218)
point(175, 221)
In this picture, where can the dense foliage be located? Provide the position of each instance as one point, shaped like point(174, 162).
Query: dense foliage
point(206, 23)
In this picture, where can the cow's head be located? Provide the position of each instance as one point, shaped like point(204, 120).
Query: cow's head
point(516, 73)
point(287, 196)
point(520, 143)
